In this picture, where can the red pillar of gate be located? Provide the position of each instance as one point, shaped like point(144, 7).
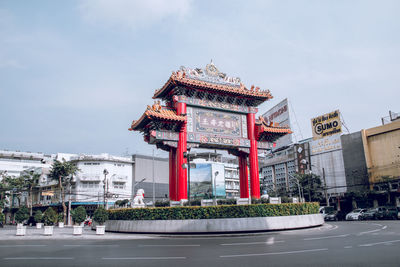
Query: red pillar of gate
point(253, 157)
point(180, 160)
point(243, 177)
point(172, 173)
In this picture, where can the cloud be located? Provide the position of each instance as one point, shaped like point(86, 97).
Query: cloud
point(132, 13)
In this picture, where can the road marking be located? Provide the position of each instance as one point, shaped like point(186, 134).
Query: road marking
point(168, 245)
point(88, 245)
point(252, 243)
point(146, 258)
point(17, 246)
point(373, 231)
point(275, 253)
point(380, 243)
point(348, 247)
point(39, 258)
point(334, 227)
point(325, 237)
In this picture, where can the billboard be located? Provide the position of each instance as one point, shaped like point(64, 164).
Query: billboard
point(280, 114)
point(200, 181)
point(326, 125)
point(207, 180)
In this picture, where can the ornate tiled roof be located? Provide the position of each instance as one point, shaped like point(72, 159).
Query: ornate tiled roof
point(270, 132)
point(213, 80)
point(156, 112)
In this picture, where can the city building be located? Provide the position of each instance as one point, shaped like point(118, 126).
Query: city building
point(382, 156)
point(101, 179)
point(326, 159)
point(232, 185)
point(279, 166)
point(13, 163)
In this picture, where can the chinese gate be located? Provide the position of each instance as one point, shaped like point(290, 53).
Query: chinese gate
point(205, 108)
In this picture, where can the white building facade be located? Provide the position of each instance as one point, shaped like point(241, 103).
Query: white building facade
point(101, 179)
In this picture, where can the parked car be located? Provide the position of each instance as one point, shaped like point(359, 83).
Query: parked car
point(355, 214)
point(374, 213)
point(391, 213)
point(326, 210)
point(335, 216)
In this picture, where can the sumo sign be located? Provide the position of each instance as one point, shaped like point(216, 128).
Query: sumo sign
point(326, 125)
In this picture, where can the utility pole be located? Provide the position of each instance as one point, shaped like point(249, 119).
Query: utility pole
point(325, 187)
point(105, 172)
point(154, 186)
point(69, 204)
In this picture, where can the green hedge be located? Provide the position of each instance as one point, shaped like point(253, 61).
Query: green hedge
point(214, 212)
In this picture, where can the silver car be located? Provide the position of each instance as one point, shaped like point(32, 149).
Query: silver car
point(355, 215)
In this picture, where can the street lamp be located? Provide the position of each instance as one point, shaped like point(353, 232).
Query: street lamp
point(325, 185)
point(293, 178)
point(105, 184)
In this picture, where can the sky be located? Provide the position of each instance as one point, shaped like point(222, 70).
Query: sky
point(75, 74)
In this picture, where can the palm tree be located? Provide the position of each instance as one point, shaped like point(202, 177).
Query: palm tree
point(63, 172)
point(30, 180)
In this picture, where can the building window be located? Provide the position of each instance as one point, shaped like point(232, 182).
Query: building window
point(119, 185)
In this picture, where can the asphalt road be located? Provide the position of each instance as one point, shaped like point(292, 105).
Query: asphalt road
point(371, 243)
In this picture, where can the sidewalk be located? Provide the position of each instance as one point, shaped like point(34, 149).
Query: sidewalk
point(9, 231)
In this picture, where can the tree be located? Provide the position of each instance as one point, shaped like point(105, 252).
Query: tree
point(100, 215)
point(29, 180)
point(22, 215)
point(121, 203)
point(62, 172)
point(312, 186)
point(4, 189)
point(38, 216)
point(50, 217)
point(79, 214)
point(17, 186)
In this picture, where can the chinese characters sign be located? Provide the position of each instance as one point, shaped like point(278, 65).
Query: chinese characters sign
point(208, 126)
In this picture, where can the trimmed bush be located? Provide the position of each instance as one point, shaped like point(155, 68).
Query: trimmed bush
point(195, 202)
point(228, 201)
point(79, 214)
point(60, 217)
point(100, 215)
point(38, 216)
point(22, 215)
point(2, 217)
point(215, 212)
point(161, 203)
point(50, 217)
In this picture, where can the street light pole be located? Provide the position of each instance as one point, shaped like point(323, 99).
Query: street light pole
point(325, 187)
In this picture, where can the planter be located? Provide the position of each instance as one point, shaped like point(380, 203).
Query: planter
point(61, 225)
point(100, 229)
point(48, 230)
point(78, 230)
point(39, 225)
point(250, 224)
point(21, 229)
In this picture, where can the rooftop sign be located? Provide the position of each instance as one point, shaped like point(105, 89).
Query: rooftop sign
point(326, 125)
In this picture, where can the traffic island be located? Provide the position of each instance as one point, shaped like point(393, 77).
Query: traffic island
point(215, 219)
